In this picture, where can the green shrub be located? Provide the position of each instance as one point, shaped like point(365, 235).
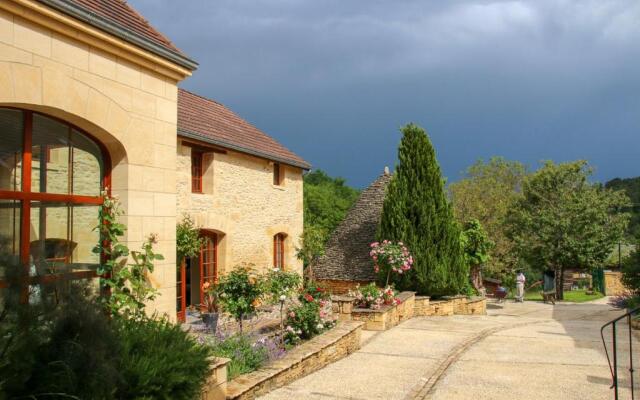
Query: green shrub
point(281, 283)
point(68, 348)
point(245, 355)
point(304, 321)
point(314, 292)
point(631, 271)
point(159, 360)
point(239, 292)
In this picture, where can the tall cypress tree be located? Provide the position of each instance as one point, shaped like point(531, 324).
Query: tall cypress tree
point(416, 212)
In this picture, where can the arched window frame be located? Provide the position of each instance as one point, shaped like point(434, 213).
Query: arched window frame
point(26, 195)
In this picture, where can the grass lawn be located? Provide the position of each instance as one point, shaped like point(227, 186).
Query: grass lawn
point(574, 296)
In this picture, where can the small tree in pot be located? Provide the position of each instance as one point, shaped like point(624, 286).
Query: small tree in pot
point(240, 292)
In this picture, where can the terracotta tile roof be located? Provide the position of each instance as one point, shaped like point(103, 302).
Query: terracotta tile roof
point(120, 14)
point(210, 121)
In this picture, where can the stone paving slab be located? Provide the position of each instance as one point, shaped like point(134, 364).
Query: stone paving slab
point(518, 351)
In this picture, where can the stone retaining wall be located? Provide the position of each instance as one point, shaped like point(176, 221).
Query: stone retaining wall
point(456, 305)
point(613, 283)
point(216, 386)
point(309, 357)
point(422, 307)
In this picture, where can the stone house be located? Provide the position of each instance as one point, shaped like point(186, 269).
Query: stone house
point(346, 262)
point(89, 101)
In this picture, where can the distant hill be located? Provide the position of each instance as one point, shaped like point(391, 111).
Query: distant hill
point(632, 187)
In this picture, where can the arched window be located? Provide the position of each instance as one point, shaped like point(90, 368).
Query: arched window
point(278, 250)
point(51, 178)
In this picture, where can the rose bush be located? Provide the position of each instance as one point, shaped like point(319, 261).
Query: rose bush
point(373, 297)
point(390, 257)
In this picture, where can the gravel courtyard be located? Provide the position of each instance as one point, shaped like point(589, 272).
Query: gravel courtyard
point(518, 351)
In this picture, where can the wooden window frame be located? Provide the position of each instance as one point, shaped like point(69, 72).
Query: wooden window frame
point(278, 250)
point(197, 170)
point(25, 196)
point(278, 174)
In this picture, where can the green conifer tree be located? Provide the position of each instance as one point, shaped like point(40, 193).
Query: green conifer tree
point(416, 212)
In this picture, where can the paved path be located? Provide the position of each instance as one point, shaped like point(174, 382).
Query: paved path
point(518, 351)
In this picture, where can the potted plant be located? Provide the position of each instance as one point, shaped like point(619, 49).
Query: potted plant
point(209, 313)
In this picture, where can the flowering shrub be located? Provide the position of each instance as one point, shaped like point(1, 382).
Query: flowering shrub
point(239, 292)
point(313, 292)
point(311, 317)
point(278, 283)
point(390, 257)
point(246, 353)
point(305, 321)
point(372, 297)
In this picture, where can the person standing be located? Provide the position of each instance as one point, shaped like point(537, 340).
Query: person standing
point(520, 280)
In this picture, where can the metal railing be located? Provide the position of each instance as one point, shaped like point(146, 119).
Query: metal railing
point(613, 366)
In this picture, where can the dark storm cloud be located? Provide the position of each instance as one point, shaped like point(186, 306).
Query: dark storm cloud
point(334, 79)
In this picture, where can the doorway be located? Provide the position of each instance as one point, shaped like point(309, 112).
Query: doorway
point(193, 272)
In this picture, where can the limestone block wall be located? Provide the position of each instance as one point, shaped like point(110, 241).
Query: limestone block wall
point(613, 283)
point(123, 96)
point(241, 204)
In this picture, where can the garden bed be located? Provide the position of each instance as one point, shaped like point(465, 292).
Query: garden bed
point(302, 360)
point(387, 316)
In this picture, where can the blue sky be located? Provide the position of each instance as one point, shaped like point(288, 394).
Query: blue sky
point(333, 80)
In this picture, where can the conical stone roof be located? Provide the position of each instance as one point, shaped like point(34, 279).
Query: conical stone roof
point(347, 251)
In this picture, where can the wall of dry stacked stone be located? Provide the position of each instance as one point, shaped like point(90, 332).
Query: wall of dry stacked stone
point(341, 287)
point(613, 283)
point(346, 257)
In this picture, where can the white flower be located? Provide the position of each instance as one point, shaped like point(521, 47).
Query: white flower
point(320, 326)
point(283, 298)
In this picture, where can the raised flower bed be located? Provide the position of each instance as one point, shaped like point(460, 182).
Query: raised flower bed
point(387, 315)
point(300, 361)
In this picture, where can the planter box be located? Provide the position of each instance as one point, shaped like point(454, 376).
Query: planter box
point(302, 360)
point(387, 316)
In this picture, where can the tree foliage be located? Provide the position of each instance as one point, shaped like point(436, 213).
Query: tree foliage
point(561, 220)
point(631, 186)
point(631, 270)
point(477, 247)
point(188, 239)
point(326, 201)
point(417, 213)
point(486, 194)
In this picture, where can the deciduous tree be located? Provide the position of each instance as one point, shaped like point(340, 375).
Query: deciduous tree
point(562, 221)
point(486, 193)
